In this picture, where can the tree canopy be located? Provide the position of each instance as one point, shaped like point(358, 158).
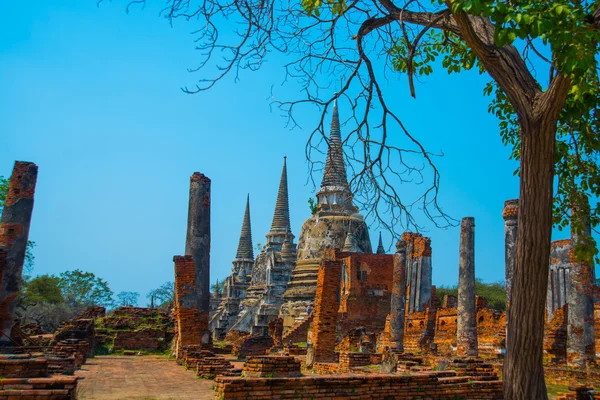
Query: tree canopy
point(127, 299)
point(163, 296)
point(42, 289)
point(85, 289)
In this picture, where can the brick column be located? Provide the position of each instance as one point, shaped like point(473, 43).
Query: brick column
point(398, 299)
point(510, 213)
point(466, 328)
point(580, 330)
point(191, 324)
point(197, 243)
point(327, 304)
point(14, 233)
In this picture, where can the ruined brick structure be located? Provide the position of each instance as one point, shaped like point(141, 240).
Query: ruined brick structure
point(559, 279)
point(271, 367)
point(327, 229)
point(570, 332)
point(323, 334)
point(197, 245)
point(14, 233)
point(398, 300)
point(353, 290)
point(418, 271)
point(191, 323)
point(435, 385)
point(135, 328)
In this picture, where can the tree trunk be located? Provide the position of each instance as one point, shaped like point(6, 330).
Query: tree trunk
point(523, 368)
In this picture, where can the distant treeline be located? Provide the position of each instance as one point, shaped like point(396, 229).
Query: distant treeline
point(495, 293)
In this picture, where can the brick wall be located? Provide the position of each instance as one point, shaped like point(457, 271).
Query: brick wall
point(252, 346)
point(434, 386)
point(366, 291)
point(555, 336)
point(352, 360)
point(22, 366)
point(51, 388)
point(491, 331)
point(144, 339)
point(271, 367)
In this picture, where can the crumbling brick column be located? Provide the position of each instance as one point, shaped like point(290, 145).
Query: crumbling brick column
point(467, 314)
point(197, 243)
point(191, 323)
point(398, 300)
point(327, 304)
point(580, 329)
point(510, 213)
point(559, 279)
point(14, 233)
point(418, 271)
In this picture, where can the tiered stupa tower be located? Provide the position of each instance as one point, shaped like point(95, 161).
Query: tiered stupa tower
point(236, 284)
point(336, 217)
point(272, 268)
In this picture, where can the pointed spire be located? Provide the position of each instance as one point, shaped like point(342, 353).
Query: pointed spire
point(281, 218)
point(335, 170)
point(245, 246)
point(380, 249)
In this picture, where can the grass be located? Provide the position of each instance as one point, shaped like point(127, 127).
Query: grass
point(301, 344)
point(554, 390)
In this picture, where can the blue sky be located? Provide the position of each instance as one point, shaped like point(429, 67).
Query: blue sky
point(92, 95)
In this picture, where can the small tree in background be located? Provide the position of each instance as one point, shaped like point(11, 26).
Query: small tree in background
point(163, 296)
point(127, 299)
point(42, 289)
point(84, 289)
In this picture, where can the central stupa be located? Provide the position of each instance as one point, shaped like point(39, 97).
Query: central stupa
point(334, 220)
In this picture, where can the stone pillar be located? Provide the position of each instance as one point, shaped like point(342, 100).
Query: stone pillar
point(466, 331)
point(580, 329)
point(398, 300)
point(197, 243)
point(510, 213)
point(14, 233)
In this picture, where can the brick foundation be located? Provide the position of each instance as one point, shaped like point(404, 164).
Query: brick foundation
point(271, 367)
point(352, 360)
point(53, 388)
point(357, 387)
point(22, 366)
